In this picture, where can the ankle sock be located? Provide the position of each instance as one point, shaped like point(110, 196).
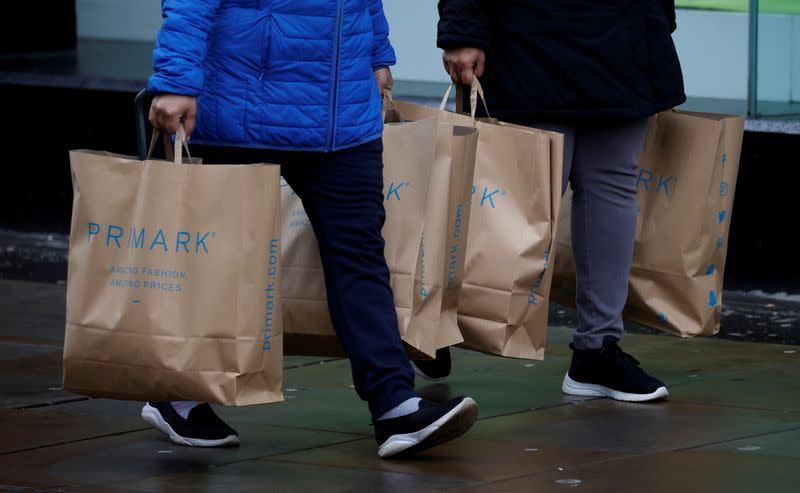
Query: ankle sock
point(183, 407)
point(408, 406)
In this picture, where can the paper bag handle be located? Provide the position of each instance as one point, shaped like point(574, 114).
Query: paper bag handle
point(174, 154)
point(387, 95)
point(476, 90)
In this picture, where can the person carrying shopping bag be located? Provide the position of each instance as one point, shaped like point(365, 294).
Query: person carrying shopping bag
point(594, 71)
point(299, 84)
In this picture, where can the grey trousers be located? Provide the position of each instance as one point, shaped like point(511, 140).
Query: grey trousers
point(600, 162)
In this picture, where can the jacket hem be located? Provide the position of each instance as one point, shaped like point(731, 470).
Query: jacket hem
point(277, 147)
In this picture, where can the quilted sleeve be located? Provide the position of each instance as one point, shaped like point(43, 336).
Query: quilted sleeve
point(181, 46)
point(382, 51)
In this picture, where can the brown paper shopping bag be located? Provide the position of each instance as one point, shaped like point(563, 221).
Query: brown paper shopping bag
point(685, 190)
point(407, 158)
point(503, 303)
point(427, 213)
point(307, 325)
point(172, 290)
point(446, 231)
point(505, 298)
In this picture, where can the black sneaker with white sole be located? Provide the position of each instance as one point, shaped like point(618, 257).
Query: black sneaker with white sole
point(434, 369)
point(433, 424)
point(610, 372)
point(201, 428)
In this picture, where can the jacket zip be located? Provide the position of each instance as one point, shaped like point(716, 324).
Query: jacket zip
point(335, 77)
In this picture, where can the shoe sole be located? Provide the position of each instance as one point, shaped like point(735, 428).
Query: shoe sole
point(571, 387)
point(449, 427)
point(153, 417)
point(423, 376)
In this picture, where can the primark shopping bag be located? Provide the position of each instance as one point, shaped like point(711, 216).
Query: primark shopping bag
point(440, 268)
point(172, 289)
point(427, 175)
point(503, 305)
point(685, 190)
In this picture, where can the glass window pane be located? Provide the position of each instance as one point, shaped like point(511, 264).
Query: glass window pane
point(778, 72)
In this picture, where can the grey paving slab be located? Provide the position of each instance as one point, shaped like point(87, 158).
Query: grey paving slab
point(266, 476)
point(139, 455)
point(32, 312)
point(43, 427)
point(30, 374)
point(695, 471)
point(505, 447)
point(784, 445)
point(475, 457)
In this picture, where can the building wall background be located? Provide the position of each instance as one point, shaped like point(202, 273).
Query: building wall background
point(712, 45)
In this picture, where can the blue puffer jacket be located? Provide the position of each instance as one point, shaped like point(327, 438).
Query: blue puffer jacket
point(279, 74)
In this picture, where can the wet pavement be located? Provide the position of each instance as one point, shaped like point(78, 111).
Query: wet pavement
point(732, 424)
point(753, 316)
